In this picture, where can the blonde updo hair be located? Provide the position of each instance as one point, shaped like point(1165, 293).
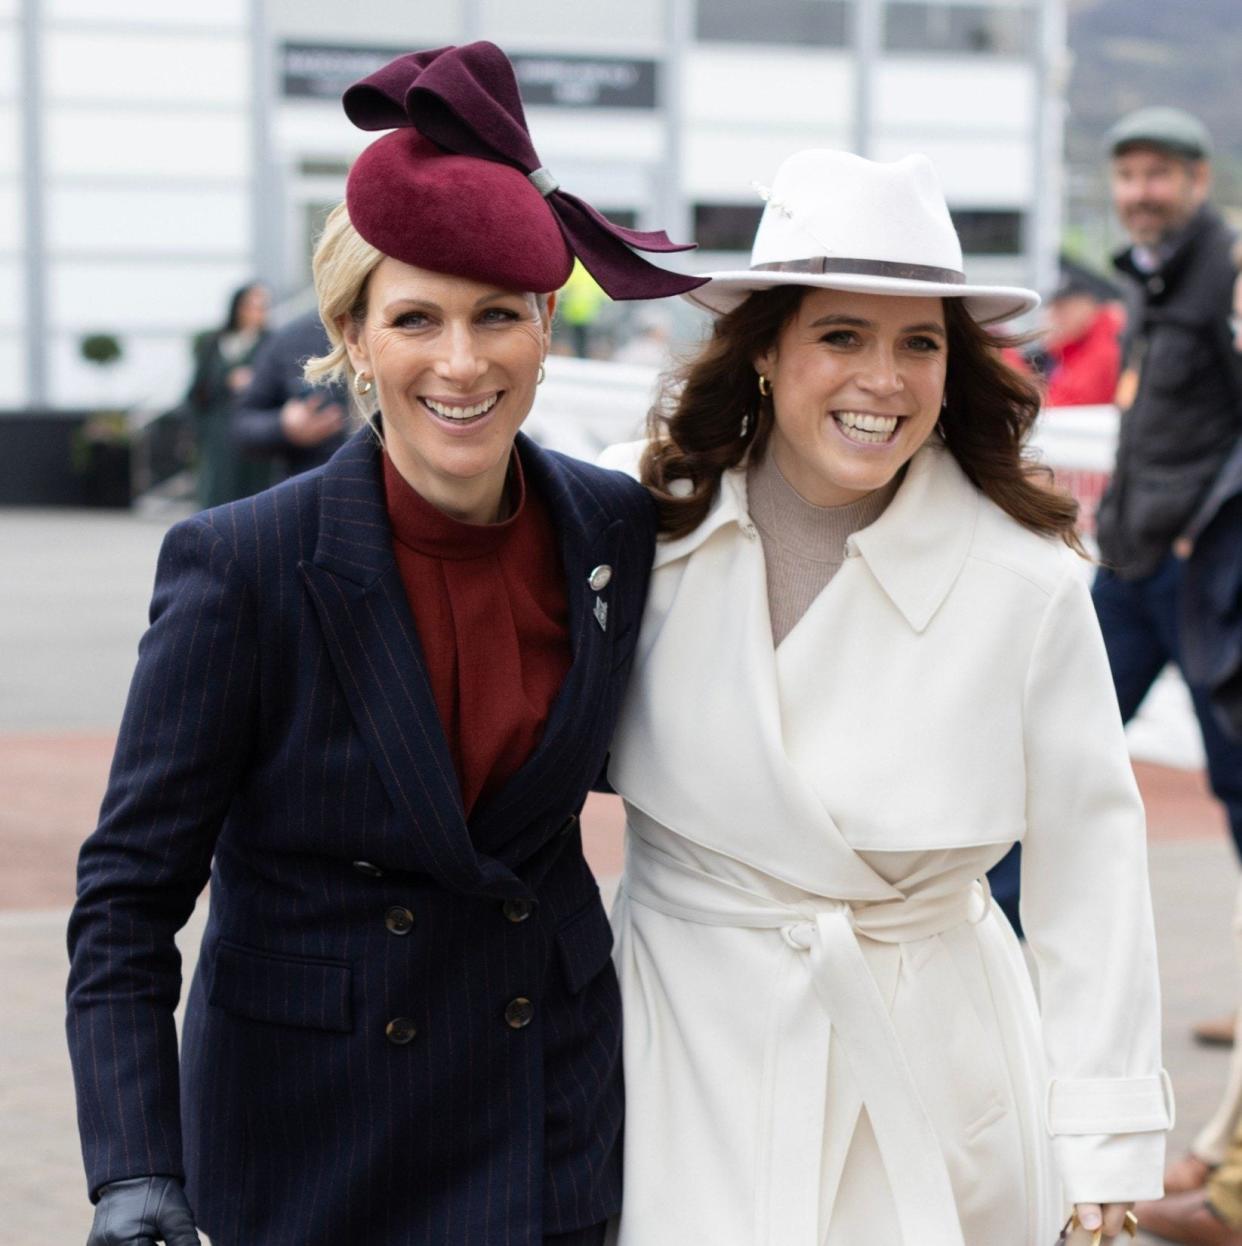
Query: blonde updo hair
point(343, 263)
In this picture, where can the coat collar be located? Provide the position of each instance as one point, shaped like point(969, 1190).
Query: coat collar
point(915, 550)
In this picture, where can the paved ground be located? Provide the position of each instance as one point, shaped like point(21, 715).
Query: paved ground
point(73, 593)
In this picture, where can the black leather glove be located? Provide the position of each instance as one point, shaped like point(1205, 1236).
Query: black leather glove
point(142, 1211)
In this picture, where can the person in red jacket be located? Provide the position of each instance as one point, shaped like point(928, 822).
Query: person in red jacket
point(1084, 322)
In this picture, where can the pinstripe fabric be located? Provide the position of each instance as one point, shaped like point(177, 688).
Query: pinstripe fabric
point(280, 729)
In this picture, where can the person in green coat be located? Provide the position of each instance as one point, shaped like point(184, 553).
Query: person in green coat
point(222, 369)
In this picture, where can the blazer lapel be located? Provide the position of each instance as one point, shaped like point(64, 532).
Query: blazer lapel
point(356, 588)
point(588, 541)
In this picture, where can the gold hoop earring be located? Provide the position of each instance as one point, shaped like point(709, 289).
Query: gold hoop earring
point(362, 384)
point(765, 386)
point(543, 372)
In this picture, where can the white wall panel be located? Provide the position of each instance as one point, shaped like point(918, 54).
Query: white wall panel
point(12, 293)
point(559, 25)
point(148, 219)
point(119, 298)
point(957, 94)
point(617, 136)
point(154, 369)
point(12, 224)
point(158, 12)
point(10, 61)
point(317, 128)
point(146, 144)
point(782, 87)
point(12, 370)
point(980, 173)
point(179, 68)
point(10, 140)
point(406, 24)
point(721, 163)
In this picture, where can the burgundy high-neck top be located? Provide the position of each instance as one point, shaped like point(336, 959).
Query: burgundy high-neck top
point(490, 608)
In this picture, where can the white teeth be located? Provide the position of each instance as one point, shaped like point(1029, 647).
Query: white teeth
point(462, 413)
point(864, 427)
point(864, 420)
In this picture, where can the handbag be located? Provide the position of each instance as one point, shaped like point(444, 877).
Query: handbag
point(1075, 1235)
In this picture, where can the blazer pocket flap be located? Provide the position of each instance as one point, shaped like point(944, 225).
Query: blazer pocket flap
point(585, 943)
point(282, 990)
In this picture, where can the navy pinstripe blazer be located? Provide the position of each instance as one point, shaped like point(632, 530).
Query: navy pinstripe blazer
point(348, 1070)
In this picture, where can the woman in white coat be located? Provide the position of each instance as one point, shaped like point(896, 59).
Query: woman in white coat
point(869, 664)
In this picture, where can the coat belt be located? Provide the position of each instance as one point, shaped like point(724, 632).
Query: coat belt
point(825, 932)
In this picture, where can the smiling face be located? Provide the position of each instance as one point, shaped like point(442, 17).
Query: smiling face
point(455, 364)
point(857, 381)
point(1155, 193)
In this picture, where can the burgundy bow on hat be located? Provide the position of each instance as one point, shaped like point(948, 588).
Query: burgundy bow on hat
point(466, 101)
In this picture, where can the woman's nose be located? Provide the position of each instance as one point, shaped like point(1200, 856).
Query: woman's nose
point(881, 375)
point(459, 361)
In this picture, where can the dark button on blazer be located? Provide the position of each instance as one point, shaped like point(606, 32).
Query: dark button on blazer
point(337, 1084)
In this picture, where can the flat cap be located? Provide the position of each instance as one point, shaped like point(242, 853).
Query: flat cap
point(1169, 129)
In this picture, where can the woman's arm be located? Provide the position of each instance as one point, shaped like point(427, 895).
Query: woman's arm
point(182, 747)
point(1086, 908)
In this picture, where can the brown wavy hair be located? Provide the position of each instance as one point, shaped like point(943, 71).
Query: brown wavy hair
point(711, 416)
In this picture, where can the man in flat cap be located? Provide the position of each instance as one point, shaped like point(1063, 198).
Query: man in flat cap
point(1180, 397)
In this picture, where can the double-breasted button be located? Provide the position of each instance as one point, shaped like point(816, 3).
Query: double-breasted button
point(400, 921)
point(517, 910)
point(519, 1013)
point(368, 870)
point(600, 577)
point(401, 1030)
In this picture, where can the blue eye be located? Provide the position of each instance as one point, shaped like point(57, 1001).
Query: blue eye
point(410, 320)
point(839, 337)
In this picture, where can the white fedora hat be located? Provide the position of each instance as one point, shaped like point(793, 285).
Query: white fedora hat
point(836, 220)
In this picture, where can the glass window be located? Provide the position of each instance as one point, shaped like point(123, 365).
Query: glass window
point(999, 30)
point(824, 23)
point(725, 226)
point(985, 232)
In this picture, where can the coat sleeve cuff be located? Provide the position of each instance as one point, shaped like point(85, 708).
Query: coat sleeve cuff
point(1116, 1168)
point(1109, 1105)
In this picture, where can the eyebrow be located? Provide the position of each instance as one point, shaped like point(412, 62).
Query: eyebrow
point(432, 306)
point(857, 322)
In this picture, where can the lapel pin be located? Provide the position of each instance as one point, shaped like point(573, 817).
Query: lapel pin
point(601, 613)
point(601, 577)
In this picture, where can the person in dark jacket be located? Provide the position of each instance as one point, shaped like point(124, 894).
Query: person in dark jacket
point(223, 361)
point(1180, 394)
point(279, 416)
point(369, 708)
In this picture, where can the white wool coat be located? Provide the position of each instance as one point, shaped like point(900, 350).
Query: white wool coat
point(830, 1033)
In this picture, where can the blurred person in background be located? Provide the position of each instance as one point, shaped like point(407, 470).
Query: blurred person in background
point(1082, 339)
point(1180, 398)
point(223, 360)
point(279, 415)
point(650, 341)
point(369, 708)
point(1203, 1203)
point(581, 302)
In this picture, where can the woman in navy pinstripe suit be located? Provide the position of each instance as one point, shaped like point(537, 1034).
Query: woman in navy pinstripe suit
point(369, 708)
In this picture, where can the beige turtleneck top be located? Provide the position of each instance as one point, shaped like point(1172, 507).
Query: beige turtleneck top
point(803, 545)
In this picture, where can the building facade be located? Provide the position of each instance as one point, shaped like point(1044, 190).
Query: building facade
point(154, 154)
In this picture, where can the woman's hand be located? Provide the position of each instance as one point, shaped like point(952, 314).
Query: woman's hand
point(1111, 1215)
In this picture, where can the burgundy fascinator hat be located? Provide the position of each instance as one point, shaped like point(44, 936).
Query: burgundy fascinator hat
point(458, 188)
